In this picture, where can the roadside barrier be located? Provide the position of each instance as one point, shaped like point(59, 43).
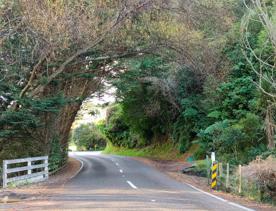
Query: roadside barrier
point(25, 170)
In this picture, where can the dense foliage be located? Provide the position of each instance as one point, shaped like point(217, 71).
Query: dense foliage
point(224, 110)
point(186, 72)
point(226, 117)
point(88, 137)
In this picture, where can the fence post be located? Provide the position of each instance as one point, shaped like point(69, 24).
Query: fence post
point(220, 169)
point(5, 166)
point(29, 165)
point(240, 179)
point(227, 175)
point(208, 169)
point(46, 168)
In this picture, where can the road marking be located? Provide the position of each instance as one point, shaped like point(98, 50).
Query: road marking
point(153, 200)
point(79, 169)
point(131, 185)
point(240, 206)
point(117, 164)
point(221, 199)
point(121, 170)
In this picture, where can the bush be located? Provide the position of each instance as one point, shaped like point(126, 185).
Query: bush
point(181, 135)
point(236, 141)
point(57, 156)
point(88, 137)
point(200, 152)
point(199, 168)
point(268, 153)
point(118, 132)
point(263, 173)
point(116, 129)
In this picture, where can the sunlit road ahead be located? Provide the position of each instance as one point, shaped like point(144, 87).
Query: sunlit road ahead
point(119, 183)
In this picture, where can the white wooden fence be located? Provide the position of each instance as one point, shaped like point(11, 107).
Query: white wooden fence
point(29, 172)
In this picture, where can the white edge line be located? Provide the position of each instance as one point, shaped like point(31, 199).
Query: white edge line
point(240, 206)
point(79, 169)
point(131, 185)
point(221, 199)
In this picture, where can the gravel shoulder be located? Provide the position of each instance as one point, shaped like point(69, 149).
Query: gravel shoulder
point(173, 169)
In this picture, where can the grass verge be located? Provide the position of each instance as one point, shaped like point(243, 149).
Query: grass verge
point(164, 151)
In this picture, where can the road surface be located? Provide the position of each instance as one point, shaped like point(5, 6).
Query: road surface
point(108, 182)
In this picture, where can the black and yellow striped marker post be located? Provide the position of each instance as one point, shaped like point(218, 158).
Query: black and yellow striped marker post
point(214, 175)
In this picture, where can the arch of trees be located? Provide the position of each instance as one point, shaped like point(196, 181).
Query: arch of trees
point(55, 54)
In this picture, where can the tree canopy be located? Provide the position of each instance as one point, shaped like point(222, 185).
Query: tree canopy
point(188, 72)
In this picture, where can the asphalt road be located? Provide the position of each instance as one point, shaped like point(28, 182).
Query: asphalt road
point(108, 182)
point(119, 183)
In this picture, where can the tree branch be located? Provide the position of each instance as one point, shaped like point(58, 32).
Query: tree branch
point(123, 15)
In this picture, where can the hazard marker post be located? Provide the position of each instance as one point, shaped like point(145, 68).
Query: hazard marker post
point(214, 175)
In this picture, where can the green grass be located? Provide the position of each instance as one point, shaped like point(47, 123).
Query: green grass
point(165, 151)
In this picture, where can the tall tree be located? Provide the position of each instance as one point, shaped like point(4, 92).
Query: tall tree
point(262, 57)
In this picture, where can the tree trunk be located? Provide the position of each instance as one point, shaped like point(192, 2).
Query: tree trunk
point(270, 127)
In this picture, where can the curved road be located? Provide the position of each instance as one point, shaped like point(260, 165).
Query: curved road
point(119, 183)
point(107, 182)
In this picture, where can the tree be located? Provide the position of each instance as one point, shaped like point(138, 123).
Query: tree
point(262, 57)
point(52, 62)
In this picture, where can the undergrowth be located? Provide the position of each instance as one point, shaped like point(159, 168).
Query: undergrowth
point(164, 151)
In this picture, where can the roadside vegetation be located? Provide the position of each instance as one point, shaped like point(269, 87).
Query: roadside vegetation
point(166, 151)
point(88, 137)
point(225, 105)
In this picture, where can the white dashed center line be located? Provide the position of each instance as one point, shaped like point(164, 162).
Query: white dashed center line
point(121, 170)
point(131, 185)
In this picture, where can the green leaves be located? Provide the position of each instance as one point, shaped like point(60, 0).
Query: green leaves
point(190, 112)
point(16, 124)
point(237, 137)
point(88, 137)
point(236, 97)
point(215, 114)
point(216, 127)
point(146, 109)
point(50, 104)
point(22, 121)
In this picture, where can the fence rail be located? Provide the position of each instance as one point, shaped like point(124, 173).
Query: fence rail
point(26, 172)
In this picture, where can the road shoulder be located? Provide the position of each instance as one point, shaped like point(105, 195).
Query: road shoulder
point(173, 170)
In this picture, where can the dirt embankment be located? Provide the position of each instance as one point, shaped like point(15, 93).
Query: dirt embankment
point(173, 169)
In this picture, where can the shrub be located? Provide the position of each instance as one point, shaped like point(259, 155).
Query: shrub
point(235, 141)
point(88, 137)
point(263, 173)
point(57, 156)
